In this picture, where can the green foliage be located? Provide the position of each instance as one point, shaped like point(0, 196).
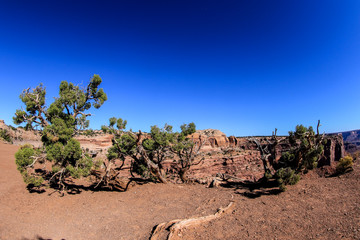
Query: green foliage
point(140, 168)
point(13, 128)
point(56, 168)
point(186, 149)
point(188, 129)
point(149, 151)
point(268, 175)
point(82, 169)
point(4, 134)
point(98, 164)
point(124, 143)
point(24, 157)
point(55, 152)
point(345, 164)
point(312, 156)
point(89, 132)
point(72, 151)
point(59, 123)
point(160, 140)
point(286, 176)
point(306, 150)
point(288, 159)
point(118, 130)
point(32, 180)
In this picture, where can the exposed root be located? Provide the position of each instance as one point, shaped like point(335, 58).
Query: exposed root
point(172, 229)
point(111, 180)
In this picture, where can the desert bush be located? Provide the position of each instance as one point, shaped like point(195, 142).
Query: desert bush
point(23, 157)
point(98, 163)
point(4, 134)
point(13, 128)
point(32, 180)
point(89, 133)
point(345, 164)
point(286, 176)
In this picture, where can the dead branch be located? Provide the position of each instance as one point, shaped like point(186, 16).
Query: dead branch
point(174, 227)
point(33, 163)
point(227, 177)
point(264, 154)
point(59, 172)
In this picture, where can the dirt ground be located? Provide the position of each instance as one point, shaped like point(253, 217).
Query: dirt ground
point(315, 208)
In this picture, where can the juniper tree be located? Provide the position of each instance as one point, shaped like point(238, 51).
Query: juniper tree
point(58, 123)
point(154, 149)
point(123, 145)
point(187, 150)
point(306, 150)
point(146, 151)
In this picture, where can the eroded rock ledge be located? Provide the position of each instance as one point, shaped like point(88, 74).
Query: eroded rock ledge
point(235, 156)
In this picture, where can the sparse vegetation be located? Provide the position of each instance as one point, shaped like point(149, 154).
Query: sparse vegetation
point(345, 165)
point(4, 135)
point(306, 150)
point(149, 151)
point(187, 150)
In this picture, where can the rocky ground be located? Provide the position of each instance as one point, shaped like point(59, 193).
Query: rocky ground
point(315, 208)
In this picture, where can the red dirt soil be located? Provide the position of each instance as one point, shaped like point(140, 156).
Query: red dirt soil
point(315, 208)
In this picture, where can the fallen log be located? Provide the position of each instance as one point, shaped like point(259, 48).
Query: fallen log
point(172, 229)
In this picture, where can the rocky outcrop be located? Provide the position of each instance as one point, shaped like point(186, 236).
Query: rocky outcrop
point(241, 157)
point(351, 141)
point(236, 156)
point(334, 149)
point(20, 136)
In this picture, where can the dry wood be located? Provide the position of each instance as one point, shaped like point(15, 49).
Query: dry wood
point(171, 229)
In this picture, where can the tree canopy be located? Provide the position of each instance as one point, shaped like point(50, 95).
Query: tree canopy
point(58, 123)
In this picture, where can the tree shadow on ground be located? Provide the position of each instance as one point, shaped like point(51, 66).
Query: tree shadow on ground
point(73, 188)
point(256, 189)
point(38, 237)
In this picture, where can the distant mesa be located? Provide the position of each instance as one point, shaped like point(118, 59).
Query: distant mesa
point(351, 140)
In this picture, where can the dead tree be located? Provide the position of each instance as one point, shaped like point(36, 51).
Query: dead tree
point(265, 154)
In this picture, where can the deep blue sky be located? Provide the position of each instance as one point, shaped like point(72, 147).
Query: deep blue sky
point(243, 66)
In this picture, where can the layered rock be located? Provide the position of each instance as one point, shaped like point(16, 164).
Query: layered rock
point(241, 157)
point(236, 156)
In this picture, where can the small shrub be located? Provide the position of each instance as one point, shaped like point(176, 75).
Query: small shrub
point(98, 164)
point(89, 133)
point(13, 128)
point(24, 157)
point(31, 180)
point(345, 165)
point(286, 176)
point(56, 168)
point(4, 134)
point(268, 175)
point(26, 145)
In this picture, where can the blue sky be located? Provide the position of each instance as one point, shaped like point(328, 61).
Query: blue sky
point(243, 67)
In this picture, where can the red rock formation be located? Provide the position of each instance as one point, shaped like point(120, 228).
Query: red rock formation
point(240, 157)
point(236, 156)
